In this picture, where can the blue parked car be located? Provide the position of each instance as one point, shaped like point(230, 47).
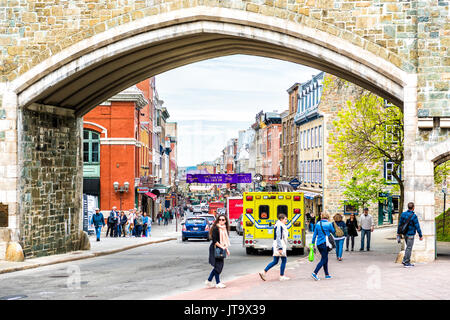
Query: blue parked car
point(195, 227)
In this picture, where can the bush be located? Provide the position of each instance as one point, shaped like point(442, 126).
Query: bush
point(439, 226)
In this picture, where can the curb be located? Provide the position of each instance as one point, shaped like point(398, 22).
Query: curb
point(82, 256)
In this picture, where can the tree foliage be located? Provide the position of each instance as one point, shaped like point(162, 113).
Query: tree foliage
point(363, 188)
point(367, 133)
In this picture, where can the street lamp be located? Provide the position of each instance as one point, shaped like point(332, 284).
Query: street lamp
point(121, 190)
point(444, 190)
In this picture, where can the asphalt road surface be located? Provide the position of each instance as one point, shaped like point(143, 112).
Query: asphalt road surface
point(150, 272)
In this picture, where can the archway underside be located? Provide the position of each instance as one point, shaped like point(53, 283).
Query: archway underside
point(91, 85)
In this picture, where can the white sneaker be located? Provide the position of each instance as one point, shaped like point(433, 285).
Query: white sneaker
point(262, 275)
point(284, 278)
point(220, 285)
point(209, 284)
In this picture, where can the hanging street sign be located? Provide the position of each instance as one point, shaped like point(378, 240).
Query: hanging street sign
point(294, 183)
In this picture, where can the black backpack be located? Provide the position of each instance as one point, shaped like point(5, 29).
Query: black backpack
point(403, 229)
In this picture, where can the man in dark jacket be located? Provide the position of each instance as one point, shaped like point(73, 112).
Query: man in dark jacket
point(112, 221)
point(412, 227)
point(98, 221)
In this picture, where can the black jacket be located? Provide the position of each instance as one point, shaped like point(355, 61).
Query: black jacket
point(352, 227)
point(215, 237)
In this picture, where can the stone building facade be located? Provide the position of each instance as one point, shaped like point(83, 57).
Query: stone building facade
point(309, 122)
point(290, 137)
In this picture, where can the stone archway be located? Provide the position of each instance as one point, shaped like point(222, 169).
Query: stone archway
point(56, 92)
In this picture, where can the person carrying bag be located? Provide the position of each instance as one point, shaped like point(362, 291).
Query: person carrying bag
point(323, 232)
point(218, 250)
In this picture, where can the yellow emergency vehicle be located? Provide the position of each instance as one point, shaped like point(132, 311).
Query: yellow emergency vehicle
point(260, 214)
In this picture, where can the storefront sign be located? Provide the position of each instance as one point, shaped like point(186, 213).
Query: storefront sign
point(142, 190)
point(219, 178)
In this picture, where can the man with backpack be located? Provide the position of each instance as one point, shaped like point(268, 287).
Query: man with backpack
point(407, 226)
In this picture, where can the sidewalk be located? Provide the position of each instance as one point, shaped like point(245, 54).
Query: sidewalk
point(98, 248)
point(363, 275)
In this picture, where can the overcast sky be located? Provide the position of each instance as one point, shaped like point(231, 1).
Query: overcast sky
point(214, 99)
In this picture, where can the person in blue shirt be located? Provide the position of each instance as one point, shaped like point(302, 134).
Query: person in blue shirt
point(322, 230)
point(413, 226)
point(98, 221)
point(145, 225)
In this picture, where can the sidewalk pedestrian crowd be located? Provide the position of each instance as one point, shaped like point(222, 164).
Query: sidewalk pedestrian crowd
point(131, 223)
point(327, 236)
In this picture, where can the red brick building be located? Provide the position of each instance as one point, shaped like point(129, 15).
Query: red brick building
point(112, 149)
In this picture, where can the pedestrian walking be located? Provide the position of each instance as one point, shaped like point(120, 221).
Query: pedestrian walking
point(322, 230)
point(139, 222)
point(159, 218)
point(98, 221)
point(166, 217)
point(111, 222)
point(312, 222)
point(131, 218)
point(410, 223)
point(340, 234)
point(219, 239)
point(366, 226)
point(279, 248)
point(145, 224)
point(149, 226)
point(352, 230)
point(123, 222)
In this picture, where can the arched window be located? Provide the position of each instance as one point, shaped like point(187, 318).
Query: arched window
point(91, 147)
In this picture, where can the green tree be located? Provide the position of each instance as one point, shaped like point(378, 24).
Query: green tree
point(363, 188)
point(367, 133)
point(441, 172)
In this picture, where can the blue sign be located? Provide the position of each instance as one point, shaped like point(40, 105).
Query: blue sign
point(294, 183)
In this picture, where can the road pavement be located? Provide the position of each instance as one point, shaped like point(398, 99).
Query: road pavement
point(177, 270)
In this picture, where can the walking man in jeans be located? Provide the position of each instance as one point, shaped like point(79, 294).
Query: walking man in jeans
point(413, 226)
point(366, 228)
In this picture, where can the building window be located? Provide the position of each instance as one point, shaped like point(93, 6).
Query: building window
point(320, 171)
point(300, 144)
point(388, 169)
point(264, 212)
point(320, 136)
point(392, 133)
point(91, 147)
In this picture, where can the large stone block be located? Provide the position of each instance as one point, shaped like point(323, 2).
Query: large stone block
point(14, 252)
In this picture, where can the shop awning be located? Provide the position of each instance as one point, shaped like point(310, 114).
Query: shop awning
point(311, 195)
point(151, 195)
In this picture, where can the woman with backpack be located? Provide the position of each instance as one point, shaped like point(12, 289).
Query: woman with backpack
point(279, 248)
point(219, 239)
point(352, 230)
point(340, 234)
point(322, 230)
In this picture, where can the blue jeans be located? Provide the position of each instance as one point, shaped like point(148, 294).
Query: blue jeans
point(215, 274)
point(365, 233)
point(324, 259)
point(339, 247)
point(98, 231)
point(274, 262)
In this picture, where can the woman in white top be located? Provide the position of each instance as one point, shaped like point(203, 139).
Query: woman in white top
point(279, 248)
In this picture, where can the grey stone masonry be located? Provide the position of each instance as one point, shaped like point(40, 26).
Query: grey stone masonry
point(50, 183)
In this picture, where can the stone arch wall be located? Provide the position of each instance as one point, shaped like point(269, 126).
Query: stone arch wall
point(237, 32)
point(45, 29)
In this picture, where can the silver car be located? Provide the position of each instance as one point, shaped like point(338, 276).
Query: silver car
point(239, 226)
